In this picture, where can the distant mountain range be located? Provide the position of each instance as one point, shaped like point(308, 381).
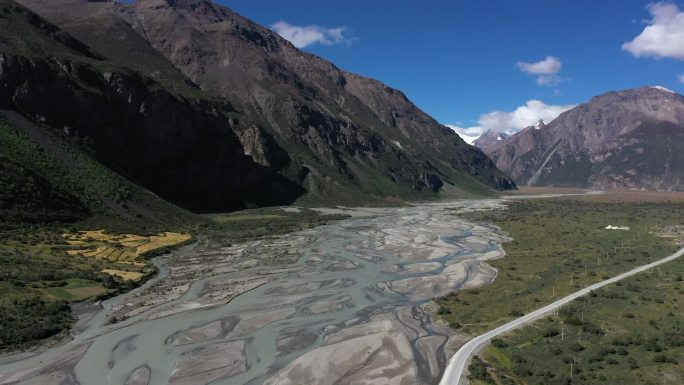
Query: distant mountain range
point(627, 139)
point(491, 139)
point(213, 112)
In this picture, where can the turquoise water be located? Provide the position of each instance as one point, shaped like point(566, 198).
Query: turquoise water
point(339, 280)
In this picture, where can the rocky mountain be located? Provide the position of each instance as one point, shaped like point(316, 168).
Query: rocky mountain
point(488, 140)
point(212, 111)
point(491, 139)
point(167, 137)
point(627, 139)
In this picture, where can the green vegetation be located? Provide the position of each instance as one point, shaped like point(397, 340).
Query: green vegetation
point(628, 333)
point(72, 289)
point(76, 175)
point(51, 184)
point(39, 279)
point(559, 246)
point(34, 186)
point(47, 179)
point(44, 267)
point(49, 187)
point(30, 318)
point(246, 217)
point(247, 225)
point(34, 296)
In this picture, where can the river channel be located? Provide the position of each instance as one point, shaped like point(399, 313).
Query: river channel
point(353, 305)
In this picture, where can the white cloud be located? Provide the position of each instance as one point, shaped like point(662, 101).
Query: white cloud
point(664, 35)
point(680, 78)
point(304, 36)
point(499, 121)
point(546, 69)
point(523, 116)
point(549, 66)
point(549, 80)
point(469, 135)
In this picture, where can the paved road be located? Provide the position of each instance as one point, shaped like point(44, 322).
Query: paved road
point(454, 370)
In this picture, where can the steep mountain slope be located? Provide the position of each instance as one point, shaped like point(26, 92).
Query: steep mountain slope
point(341, 137)
point(491, 139)
point(168, 139)
point(48, 175)
point(46, 179)
point(626, 139)
point(27, 194)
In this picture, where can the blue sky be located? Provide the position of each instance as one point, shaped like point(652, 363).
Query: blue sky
point(458, 60)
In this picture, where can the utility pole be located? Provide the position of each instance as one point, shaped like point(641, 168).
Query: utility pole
point(571, 368)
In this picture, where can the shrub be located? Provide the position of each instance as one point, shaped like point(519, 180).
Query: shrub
point(499, 343)
point(576, 347)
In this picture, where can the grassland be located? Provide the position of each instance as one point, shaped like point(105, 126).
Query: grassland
point(559, 246)
point(530, 190)
point(226, 229)
point(71, 289)
point(43, 270)
point(246, 217)
point(627, 333)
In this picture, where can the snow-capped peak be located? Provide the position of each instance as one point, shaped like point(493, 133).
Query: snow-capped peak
point(504, 135)
point(662, 89)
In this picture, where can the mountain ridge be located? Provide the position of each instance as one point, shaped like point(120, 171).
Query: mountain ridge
point(603, 143)
point(118, 111)
point(303, 118)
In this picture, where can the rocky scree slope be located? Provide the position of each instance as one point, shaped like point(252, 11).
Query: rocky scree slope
point(172, 140)
point(335, 136)
point(626, 139)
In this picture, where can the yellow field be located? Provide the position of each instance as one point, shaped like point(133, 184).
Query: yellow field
point(126, 275)
point(123, 248)
point(162, 240)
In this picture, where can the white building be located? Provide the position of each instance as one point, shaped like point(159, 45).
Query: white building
point(611, 227)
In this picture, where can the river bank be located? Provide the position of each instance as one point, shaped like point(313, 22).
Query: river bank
point(345, 302)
